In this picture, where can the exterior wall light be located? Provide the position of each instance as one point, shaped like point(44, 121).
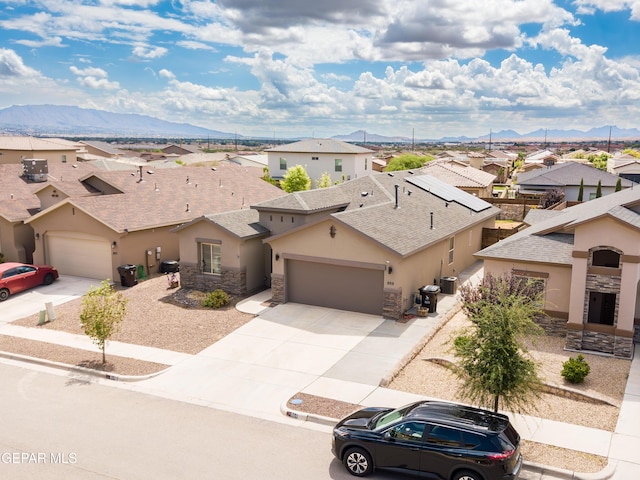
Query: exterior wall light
point(114, 244)
point(332, 231)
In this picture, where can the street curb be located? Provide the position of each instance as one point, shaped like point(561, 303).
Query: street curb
point(74, 368)
point(557, 473)
point(604, 474)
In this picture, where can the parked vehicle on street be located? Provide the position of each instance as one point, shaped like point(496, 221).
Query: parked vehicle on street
point(441, 440)
point(16, 277)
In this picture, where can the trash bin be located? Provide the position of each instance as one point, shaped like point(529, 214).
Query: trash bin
point(449, 285)
point(429, 294)
point(169, 266)
point(128, 275)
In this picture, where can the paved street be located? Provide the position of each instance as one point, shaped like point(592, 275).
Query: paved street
point(97, 432)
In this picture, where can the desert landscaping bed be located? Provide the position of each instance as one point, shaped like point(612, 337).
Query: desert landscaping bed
point(172, 319)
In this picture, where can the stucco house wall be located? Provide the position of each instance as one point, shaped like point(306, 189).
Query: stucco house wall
point(130, 248)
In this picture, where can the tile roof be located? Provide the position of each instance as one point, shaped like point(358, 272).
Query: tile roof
point(320, 145)
point(569, 174)
point(457, 175)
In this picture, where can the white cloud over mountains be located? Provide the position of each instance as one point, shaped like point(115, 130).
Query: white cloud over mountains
point(386, 66)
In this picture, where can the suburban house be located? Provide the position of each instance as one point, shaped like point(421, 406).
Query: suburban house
point(465, 177)
point(179, 149)
point(97, 149)
point(14, 149)
point(341, 160)
point(566, 177)
point(587, 260)
point(249, 159)
point(88, 222)
point(366, 245)
point(625, 166)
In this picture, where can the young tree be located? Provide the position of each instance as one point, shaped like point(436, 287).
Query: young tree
point(102, 311)
point(266, 176)
point(296, 179)
point(599, 189)
point(618, 185)
point(407, 161)
point(551, 197)
point(324, 182)
point(493, 360)
point(581, 190)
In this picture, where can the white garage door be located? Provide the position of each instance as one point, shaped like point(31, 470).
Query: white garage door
point(79, 255)
point(335, 286)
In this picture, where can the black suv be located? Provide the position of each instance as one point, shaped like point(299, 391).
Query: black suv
point(443, 441)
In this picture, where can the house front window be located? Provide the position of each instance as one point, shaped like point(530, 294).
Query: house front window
point(210, 260)
point(338, 163)
point(606, 258)
point(452, 245)
point(283, 163)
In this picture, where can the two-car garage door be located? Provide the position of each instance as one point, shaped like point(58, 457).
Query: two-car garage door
point(335, 286)
point(79, 255)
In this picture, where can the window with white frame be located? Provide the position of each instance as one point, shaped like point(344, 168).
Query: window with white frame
point(452, 245)
point(283, 163)
point(210, 259)
point(338, 164)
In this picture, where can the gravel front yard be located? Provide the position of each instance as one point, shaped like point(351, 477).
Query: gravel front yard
point(172, 319)
point(157, 316)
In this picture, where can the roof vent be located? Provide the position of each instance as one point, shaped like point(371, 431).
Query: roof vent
point(364, 194)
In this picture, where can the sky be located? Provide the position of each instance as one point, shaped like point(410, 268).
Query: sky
point(288, 68)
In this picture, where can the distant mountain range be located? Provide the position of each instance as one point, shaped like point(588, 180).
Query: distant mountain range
point(74, 121)
point(506, 136)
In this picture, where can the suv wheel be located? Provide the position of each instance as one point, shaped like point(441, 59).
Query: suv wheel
point(358, 462)
point(466, 475)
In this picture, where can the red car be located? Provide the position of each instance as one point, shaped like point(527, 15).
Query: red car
point(16, 277)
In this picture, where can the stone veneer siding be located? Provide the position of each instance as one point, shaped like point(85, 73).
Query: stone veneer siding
point(233, 282)
point(618, 346)
point(553, 326)
point(277, 288)
point(392, 304)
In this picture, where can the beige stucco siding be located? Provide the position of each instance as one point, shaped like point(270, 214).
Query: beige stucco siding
point(204, 231)
point(607, 231)
point(16, 156)
point(556, 296)
point(130, 248)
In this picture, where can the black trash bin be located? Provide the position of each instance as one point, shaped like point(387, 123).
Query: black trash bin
point(429, 294)
point(128, 275)
point(169, 266)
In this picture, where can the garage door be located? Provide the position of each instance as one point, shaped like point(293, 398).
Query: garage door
point(335, 286)
point(79, 255)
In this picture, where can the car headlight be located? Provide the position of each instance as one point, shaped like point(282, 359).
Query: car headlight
point(340, 432)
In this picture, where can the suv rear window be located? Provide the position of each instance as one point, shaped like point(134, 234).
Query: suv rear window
point(481, 443)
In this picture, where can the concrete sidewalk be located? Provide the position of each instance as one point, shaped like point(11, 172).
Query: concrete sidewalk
point(341, 355)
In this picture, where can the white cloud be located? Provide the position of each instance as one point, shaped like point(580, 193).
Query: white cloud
point(588, 7)
point(94, 78)
point(149, 53)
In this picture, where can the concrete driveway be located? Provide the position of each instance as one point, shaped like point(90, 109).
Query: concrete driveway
point(289, 349)
point(31, 301)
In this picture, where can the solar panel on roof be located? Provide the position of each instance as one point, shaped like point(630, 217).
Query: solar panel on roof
point(448, 193)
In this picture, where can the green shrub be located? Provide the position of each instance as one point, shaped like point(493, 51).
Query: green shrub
point(575, 370)
point(216, 299)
